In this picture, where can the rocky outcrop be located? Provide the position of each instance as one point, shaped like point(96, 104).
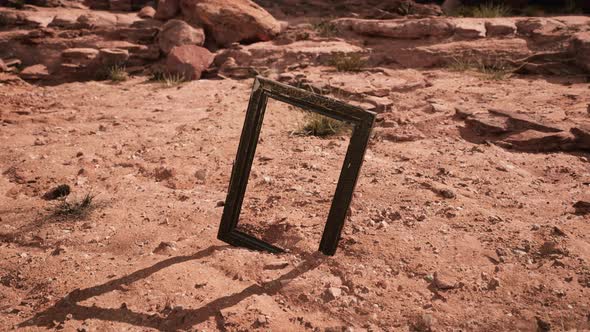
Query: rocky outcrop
point(189, 61)
point(519, 132)
point(398, 29)
point(580, 47)
point(230, 21)
point(177, 33)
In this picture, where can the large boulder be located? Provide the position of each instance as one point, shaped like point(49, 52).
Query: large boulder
point(231, 21)
point(580, 47)
point(167, 9)
point(177, 33)
point(189, 61)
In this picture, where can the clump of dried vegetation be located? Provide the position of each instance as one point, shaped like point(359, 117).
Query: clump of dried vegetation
point(348, 62)
point(117, 73)
point(485, 10)
point(325, 28)
point(315, 124)
point(167, 79)
point(495, 69)
point(76, 207)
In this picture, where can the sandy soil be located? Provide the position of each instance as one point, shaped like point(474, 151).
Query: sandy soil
point(497, 248)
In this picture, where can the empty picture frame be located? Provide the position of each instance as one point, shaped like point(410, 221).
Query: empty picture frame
point(362, 123)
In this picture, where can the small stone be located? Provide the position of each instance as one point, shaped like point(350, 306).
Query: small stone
point(58, 251)
point(543, 325)
point(443, 282)
point(60, 191)
point(332, 293)
point(276, 265)
point(201, 175)
point(493, 283)
point(220, 203)
point(40, 141)
point(165, 248)
point(262, 320)
point(582, 207)
point(535, 227)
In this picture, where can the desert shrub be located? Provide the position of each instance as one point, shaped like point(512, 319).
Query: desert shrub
point(325, 28)
point(166, 78)
point(483, 10)
point(117, 73)
point(492, 69)
point(315, 124)
point(77, 207)
point(348, 62)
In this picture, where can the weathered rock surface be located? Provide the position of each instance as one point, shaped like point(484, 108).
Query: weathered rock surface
point(112, 56)
point(177, 33)
point(167, 9)
point(147, 12)
point(189, 61)
point(231, 21)
point(519, 132)
point(35, 72)
point(399, 29)
point(486, 50)
point(3, 66)
point(580, 47)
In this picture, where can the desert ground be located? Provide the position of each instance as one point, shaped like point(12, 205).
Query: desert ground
point(471, 212)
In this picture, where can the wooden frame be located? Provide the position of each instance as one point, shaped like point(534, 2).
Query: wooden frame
point(263, 89)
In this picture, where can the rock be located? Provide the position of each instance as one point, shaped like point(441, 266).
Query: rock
point(498, 27)
point(58, 251)
point(582, 207)
point(469, 28)
point(399, 134)
point(35, 72)
point(96, 20)
point(536, 141)
point(490, 49)
point(262, 320)
point(276, 265)
point(443, 282)
point(439, 189)
point(167, 9)
point(582, 134)
point(332, 293)
point(439, 108)
point(523, 122)
point(550, 248)
point(163, 173)
point(3, 66)
point(147, 12)
point(65, 20)
point(580, 48)
point(398, 28)
point(79, 56)
point(543, 325)
point(493, 283)
point(60, 191)
point(112, 56)
point(177, 33)
point(231, 21)
point(189, 61)
point(120, 5)
point(165, 248)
